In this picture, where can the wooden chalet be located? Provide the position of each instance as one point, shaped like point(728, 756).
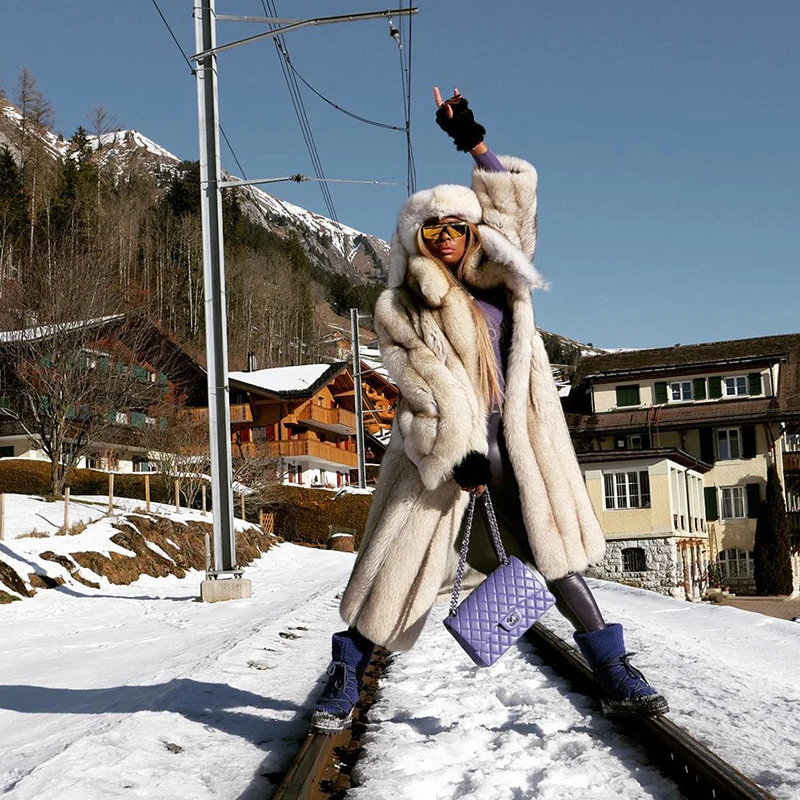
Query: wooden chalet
point(304, 418)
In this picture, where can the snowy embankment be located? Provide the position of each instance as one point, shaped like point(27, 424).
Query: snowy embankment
point(138, 691)
point(38, 552)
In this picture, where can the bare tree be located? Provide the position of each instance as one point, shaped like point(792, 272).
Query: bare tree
point(180, 450)
point(79, 369)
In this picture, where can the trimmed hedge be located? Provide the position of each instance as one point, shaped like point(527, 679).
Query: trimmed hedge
point(303, 515)
point(24, 476)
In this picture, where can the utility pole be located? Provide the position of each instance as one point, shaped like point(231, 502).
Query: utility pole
point(219, 421)
point(219, 414)
point(356, 348)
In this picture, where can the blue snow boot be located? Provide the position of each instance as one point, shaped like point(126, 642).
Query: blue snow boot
point(351, 656)
point(623, 689)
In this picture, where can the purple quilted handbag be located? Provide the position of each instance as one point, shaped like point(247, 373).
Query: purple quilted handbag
point(503, 607)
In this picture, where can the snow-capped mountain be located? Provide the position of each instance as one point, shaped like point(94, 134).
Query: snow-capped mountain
point(331, 246)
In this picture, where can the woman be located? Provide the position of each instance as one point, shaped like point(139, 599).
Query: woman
point(478, 408)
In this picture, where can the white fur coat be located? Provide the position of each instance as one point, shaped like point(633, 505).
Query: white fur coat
point(428, 342)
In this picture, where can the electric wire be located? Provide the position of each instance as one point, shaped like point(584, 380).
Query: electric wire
point(300, 112)
point(337, 107)
point(194, 72)
point(404, 54)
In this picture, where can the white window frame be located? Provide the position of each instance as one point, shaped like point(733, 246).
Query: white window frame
point(682, 387)
point(735, 491)
point(743, 559)
point(632, 439)
point(728, 431)
point(626, 490)
point(740, 381)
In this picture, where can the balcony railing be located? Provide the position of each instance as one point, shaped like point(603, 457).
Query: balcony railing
point(328, 417)
point(791, 462)
point(240, 412)
point(298, 448)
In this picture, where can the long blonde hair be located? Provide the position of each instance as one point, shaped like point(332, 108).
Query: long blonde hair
point(487, 362)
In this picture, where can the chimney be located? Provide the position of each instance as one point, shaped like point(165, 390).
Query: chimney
point(252, 366)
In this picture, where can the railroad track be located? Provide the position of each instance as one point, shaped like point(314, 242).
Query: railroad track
point(324, 764)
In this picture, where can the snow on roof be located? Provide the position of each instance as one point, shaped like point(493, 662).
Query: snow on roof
point(282, 379)
point(45, 331)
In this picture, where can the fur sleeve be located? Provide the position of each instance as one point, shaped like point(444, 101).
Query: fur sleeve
point(508, 200)
point(431, 414)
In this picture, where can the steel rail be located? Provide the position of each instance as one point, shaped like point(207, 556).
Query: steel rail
point(321, 769)
point(698, 771)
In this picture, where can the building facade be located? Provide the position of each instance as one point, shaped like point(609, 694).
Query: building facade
point(304, 419)
point(675, 444)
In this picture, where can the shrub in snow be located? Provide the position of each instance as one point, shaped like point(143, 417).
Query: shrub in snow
point(772, 550)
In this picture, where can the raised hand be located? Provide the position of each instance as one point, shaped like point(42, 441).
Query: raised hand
point(455, 118)
point(448, 104)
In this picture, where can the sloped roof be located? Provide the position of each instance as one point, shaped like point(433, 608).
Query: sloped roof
point(713, 357)
point(686, 357)
point(298, 381)
point(673, 453)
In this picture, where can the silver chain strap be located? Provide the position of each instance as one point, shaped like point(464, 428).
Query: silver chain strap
point(462, 558)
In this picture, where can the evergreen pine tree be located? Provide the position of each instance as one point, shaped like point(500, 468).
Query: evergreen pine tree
point(772, 551)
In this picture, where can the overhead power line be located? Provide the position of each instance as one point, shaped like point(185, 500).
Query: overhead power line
point(337, 107)
point(193, 71)
point(300, 111)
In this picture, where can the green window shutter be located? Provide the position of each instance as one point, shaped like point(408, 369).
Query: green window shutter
point(748, 441)
point(5, 402)
point(628, 395)
point(712, 512)
point(707, 445)
point(646, 443)
point(104, 363)
point(112, 417)
point(162, 378)
point(162, 423)
point(754, 383)
point(699, 388)
point(753, 500)
point(661, 392)
point(715, 387)
point(137, 419)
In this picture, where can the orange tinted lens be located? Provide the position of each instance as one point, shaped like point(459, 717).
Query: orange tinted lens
point(431, 231)
point(455, 230)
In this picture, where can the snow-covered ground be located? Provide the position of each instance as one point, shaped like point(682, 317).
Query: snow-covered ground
point(139, 691)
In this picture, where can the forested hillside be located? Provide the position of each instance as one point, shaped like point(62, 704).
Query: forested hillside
point(106, 222)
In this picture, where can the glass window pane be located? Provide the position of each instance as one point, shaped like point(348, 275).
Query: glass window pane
point(733, 439)
point(608, 479)
point(622, 496)
point(644, 488)
point(723, 447)
point(633, 490)
point(738, 502)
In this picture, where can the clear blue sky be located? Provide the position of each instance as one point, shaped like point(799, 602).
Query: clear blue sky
point(666, 135)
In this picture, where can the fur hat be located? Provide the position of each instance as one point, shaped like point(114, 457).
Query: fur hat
point(499, 229)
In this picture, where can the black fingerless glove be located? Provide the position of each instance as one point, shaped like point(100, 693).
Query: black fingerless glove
point(461, 127)
point(475, 469)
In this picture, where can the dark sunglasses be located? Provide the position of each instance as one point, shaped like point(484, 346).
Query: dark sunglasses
point(455, 230)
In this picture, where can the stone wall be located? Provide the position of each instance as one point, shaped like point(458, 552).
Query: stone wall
point(662, 573)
